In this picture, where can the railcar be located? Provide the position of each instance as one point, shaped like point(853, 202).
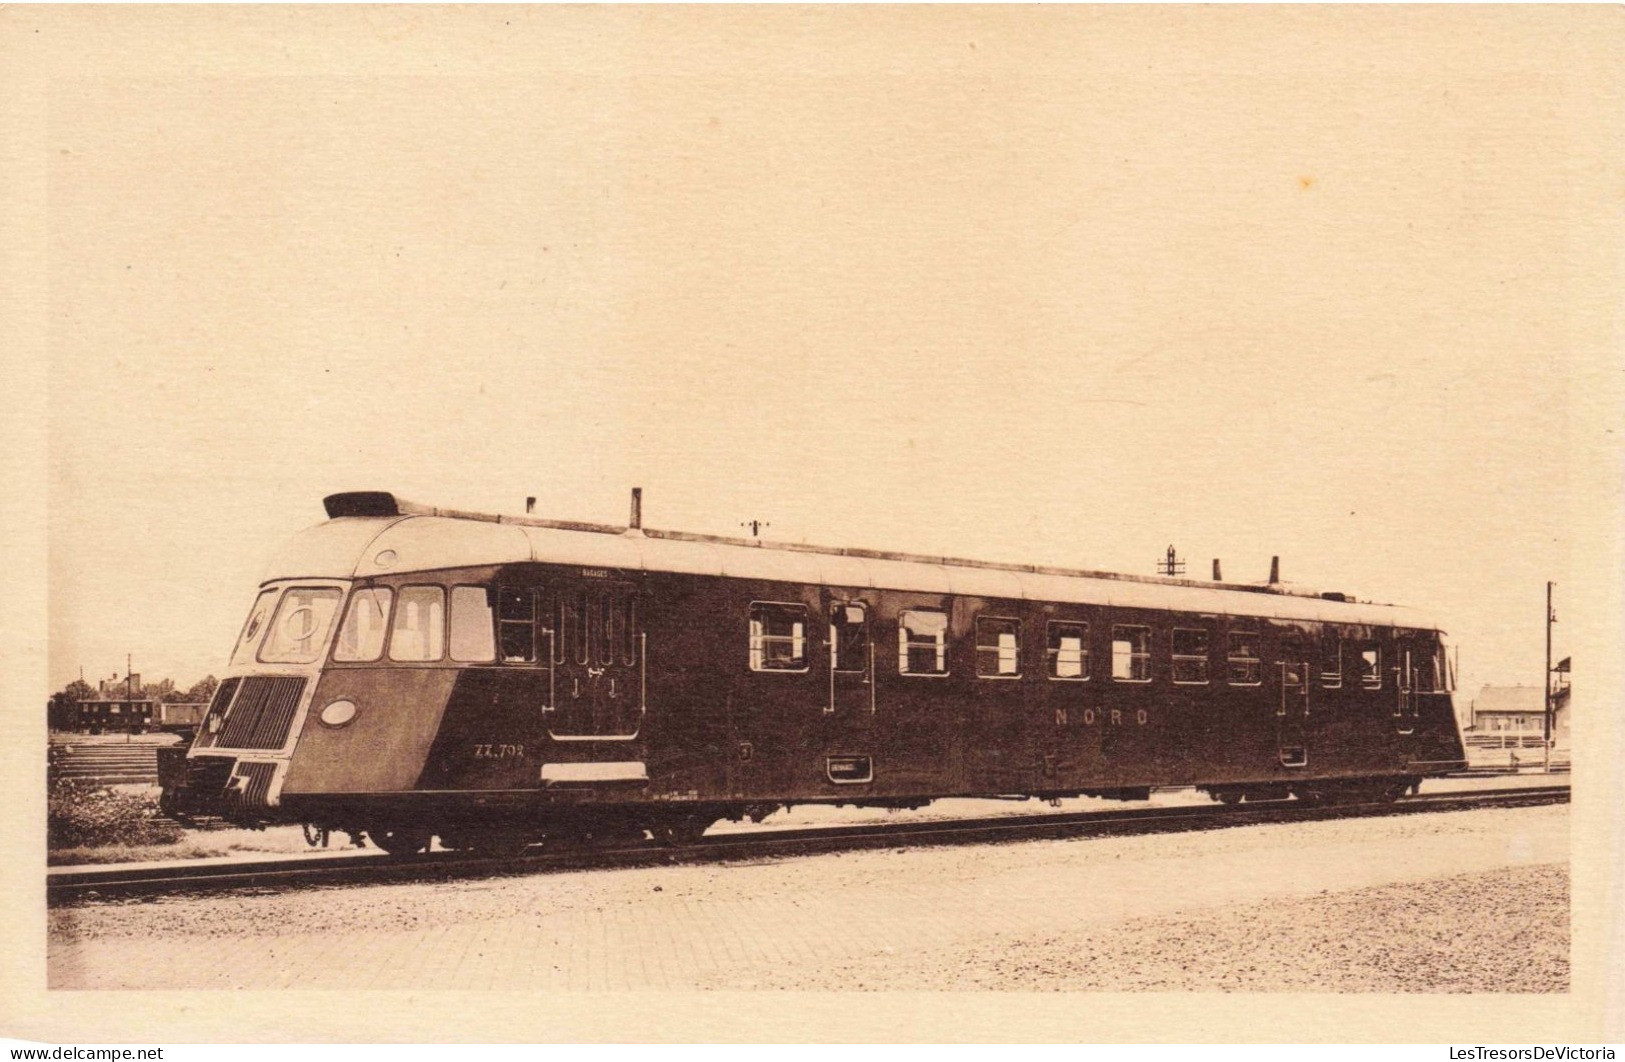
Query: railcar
point(111, 715)
point(414, 672)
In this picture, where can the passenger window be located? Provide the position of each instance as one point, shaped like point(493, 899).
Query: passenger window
point(1331, 661)
point(849, 637)
point(471, 625)
point(361, 637)
point(1131, 653)
point(517, 608)
point(1190, 656)
point(1245, 665)
point(420, 624)
point(998, 647)
point(1371, 668)
point(922, 643)
point(1068, 650)
point(298, 633)
point(778, 637)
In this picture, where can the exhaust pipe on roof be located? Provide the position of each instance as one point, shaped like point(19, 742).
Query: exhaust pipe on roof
point(636, 521)
point(1275, 570)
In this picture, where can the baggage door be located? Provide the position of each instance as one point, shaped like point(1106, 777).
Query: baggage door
point(599, 651)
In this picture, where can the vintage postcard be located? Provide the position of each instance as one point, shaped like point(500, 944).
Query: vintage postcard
point(813, 523)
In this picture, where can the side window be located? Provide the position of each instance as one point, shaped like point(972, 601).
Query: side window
point(361, 637)
point(778, 637)
point(254, 626)
point(922, 643)
point(849, 636)
point(420, 624)
point(471, 625)
point(1190, 655)
point(1068, 654)
point(998, 647)
point(1131, 653)
point(1245, 668)
point(1371, 668)
point(1331, 661)
point(517, 608)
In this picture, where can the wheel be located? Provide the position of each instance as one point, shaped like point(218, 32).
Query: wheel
point(494, 843)
point(682, 831)
point(1228, 796)
point(400, 842)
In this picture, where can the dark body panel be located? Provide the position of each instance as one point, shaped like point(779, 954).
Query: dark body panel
point(673, 694)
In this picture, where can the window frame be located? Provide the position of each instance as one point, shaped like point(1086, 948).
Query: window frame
point(1205, 659)
point(756, 644)
point(252, 634)
point(491, 609)
point(996, 649)
point(534, 623)
point(318, 652)
point(864, 657)
point(1052, 654)
point(395, 614)
point(344, 620)
point(1231, 659)
point(1373, 680)
point(1331, 680)
point(1132, 655)
point(903, 644)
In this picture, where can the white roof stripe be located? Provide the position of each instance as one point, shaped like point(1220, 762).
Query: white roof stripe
point(351, 547)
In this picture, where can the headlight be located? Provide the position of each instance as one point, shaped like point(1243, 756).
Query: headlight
point(338, 713)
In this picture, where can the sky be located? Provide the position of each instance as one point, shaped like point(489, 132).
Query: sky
point(1058, 288)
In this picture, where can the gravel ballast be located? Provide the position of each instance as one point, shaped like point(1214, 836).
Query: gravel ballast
point(1466, 901)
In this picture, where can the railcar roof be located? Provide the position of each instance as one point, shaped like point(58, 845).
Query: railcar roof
point(374, 533)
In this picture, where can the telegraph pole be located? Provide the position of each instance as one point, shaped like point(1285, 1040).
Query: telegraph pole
point(1546, 683)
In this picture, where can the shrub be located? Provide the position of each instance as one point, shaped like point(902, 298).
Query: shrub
point(82, 816)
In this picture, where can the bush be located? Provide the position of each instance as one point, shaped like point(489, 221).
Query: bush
point(83, 816)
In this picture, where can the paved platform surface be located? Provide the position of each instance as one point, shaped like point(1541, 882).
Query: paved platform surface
point(816, 921)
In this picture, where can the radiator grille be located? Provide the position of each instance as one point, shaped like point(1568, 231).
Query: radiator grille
point(208, 730)
point(251, 786)
point(262, 713)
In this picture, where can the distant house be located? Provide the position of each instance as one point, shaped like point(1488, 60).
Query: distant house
point(1519, 709)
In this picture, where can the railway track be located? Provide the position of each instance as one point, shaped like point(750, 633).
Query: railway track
point(69, 885)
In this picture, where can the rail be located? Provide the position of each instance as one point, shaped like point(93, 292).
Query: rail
point(65, 885)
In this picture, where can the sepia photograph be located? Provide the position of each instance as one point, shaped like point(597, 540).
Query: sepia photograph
point(941, 523)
